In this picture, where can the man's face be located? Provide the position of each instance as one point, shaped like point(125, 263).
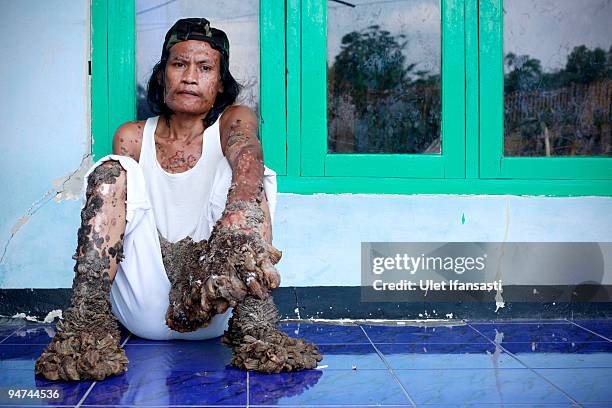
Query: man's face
point(193, 77)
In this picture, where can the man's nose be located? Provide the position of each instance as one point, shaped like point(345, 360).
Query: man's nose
point(190, 74)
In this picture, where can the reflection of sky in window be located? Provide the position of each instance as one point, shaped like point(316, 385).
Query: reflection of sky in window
point(238, 18)
point(418, 20)
point(548, 30)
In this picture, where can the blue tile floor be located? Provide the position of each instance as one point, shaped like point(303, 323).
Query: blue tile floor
point(551, 363)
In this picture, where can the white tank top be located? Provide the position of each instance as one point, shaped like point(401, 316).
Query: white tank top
point(180, 200)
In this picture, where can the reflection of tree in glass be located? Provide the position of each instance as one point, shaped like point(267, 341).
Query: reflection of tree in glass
point(566, 112)
point(373, 105)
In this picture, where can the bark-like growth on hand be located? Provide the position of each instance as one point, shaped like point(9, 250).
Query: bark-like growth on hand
point(236, 261)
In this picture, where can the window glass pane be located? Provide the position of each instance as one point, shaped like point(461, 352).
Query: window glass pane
point(557, 77)
point(238, 18)
point(383, 76)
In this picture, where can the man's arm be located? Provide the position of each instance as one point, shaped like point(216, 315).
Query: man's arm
point(239, 258)
point(241, 147)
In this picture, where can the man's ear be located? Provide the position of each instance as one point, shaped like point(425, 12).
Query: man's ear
point(221, 88)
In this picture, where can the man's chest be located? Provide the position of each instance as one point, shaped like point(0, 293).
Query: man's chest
point(175, 157)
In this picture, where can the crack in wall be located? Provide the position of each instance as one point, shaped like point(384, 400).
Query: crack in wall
point(69, 187)
point(64, 188)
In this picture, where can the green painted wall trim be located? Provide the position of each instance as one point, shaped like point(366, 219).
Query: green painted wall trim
point(113, 82)
point(313, 82)
point(99, 78)
point(453, 88)
point(385, 165)
point(121, 64)
point(388, 185)
point(472, 136)
point(294, 86)
point(273, 124)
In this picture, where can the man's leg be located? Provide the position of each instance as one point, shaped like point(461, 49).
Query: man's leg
point(86, 345)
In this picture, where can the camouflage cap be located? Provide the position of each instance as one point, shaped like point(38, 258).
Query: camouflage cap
point(196, 29)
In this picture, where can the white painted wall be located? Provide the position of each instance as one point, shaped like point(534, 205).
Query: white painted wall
point(44, 137)
point(320, 235)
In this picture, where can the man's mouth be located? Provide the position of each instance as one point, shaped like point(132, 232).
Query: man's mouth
point(189, 93)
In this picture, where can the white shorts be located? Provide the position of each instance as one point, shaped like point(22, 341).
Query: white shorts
point(139, 294)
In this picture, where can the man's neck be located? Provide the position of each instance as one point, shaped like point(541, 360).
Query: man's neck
point(184, 128)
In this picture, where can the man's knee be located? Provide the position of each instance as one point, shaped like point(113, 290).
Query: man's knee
point(110, 172)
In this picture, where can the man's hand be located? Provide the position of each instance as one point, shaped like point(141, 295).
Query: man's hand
point(240, 247)
point(238, 255)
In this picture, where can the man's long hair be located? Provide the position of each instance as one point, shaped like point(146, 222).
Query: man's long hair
point(155, 91)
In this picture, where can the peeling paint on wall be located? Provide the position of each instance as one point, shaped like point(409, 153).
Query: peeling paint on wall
point(20, 222)
point(69, 187)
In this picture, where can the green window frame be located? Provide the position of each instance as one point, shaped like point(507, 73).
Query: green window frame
point(493, 163)
point(316, 161)
point(293, 109)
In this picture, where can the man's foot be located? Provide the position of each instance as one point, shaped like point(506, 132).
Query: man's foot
point(86, 345)
point(258, 344)
point(73, 356)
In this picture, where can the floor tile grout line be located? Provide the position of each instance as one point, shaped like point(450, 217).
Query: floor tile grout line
point(590, 331)
point(85, 395)
point(95, 382)
point(567, 395)
point(126, 339)
point(390, 370)
point(16, 330)
point(553, 342)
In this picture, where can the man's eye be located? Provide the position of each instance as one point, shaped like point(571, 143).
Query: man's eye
point(178, 64)
point(205, 68)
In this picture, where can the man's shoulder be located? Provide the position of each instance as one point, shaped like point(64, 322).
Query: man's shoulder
point(237, 111)
point(132, 128)
point(128, 139)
